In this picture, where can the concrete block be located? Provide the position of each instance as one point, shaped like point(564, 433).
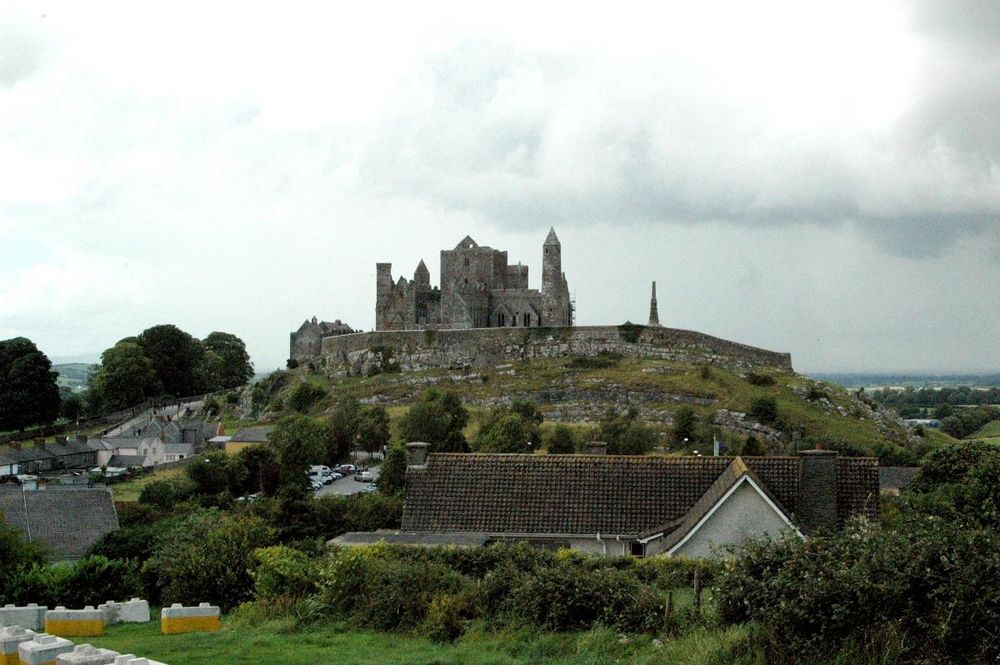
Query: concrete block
point(129, 659)
point(10, 637)
point(88, 622)
point(132, 611)
point(84, 654)
point(179, 619)
point(43, 650)
point(31, 616)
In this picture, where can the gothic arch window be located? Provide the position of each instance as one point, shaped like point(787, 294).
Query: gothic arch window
point(527, 320)
point(501, 320)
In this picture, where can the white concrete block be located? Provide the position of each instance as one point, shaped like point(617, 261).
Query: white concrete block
point(43, 649)
point(84, 654)
point(132, 611)
point(31, 616)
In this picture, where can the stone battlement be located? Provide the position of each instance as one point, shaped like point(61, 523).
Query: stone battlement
point(414, 350)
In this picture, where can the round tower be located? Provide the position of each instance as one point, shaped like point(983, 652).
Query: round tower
point(551, 262)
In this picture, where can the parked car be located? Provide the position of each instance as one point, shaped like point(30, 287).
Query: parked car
point(369, 488)
point(316, 484)
point(346, 469)
point(364, 477)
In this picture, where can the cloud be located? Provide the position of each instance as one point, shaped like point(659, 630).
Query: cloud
point(23, 44)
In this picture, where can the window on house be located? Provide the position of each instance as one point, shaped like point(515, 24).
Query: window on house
point(638, 549)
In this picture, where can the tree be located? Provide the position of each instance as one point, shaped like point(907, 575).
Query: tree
point(506, 434)
point(392, 477)
point(685, 422)
point(237, 369)
point(373, 429)
point(262, 470)
point(126, 377)
point(28, 391)
point(438, 419)
point(625, 434)
point(176, 357)
point(344, 428)
point(71, 407)
point(210, 474)
point(210, 371)
point(300, 441)
point(561, 441)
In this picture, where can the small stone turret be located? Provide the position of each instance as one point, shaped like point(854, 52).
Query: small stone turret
point(422, 275)
point(654, 315)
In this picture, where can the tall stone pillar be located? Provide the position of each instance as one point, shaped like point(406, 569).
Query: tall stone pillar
point(654, 316)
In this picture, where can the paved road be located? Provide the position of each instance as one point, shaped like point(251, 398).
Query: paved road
point(346, 485)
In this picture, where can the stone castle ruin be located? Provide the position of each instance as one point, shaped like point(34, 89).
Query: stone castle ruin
point(479, 289)
point(483, 314)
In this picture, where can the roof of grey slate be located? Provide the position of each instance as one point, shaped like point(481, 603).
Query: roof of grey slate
point(67, 520)
point(125, 461)
point(26, 454)
point(251, 435)
point(588, 494)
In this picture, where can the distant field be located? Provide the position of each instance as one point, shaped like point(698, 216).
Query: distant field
point(275, 645)
point(73, 375)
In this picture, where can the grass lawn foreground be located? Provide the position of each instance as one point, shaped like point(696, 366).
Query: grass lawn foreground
point(275, 644)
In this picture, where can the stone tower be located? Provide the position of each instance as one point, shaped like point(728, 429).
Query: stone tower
point(422, 275)
point(555, 292)
point(654, 315)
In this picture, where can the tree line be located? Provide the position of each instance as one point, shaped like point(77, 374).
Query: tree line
point(162, 361)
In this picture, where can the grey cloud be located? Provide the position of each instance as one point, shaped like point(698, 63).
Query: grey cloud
point(529, 139)
point(22, 46)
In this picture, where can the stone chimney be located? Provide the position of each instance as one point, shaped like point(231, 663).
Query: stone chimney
point(597, 448)
point(417, 451)
point(817, 498)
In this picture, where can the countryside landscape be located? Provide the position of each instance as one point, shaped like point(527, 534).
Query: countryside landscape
point(497, 335)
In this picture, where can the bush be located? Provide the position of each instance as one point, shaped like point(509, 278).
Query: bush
point(164, 494)
point(603, 360)
point(283, 571)
point(764, 409)
point(304, 396)
point(392, 473)
point(685, 422)
point(90, 581)
point(208, 557)
point(932, 581)
point(560, 441)
point(444, 617)
point(625, 434)
point(760, 379)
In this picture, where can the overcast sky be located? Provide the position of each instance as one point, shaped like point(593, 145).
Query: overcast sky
point(817, 178)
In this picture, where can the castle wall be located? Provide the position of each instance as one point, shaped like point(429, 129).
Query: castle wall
point(416, 350)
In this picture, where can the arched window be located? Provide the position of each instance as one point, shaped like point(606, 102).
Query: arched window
point(501, 320)
point(467, 261)
point(527, 320)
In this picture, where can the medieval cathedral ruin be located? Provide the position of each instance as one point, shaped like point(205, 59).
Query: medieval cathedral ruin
point(478, 290)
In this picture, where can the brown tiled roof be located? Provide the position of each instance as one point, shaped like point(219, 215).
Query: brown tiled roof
point(251, 435)
point(67, 521)
point(857, 487)
point(588, 494)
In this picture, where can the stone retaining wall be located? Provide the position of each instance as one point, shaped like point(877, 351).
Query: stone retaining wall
point(415, 350)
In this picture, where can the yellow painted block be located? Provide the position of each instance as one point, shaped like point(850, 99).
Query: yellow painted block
point(176, 625)
point(10, 658)
point(23, 662)
point(75, 627)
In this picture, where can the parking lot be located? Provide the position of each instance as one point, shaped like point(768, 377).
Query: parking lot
point(346, 485)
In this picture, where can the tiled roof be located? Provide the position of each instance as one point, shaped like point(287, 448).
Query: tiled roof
point(68, 521)
point(411, 538)
point(588, 494)
point(251, 435)
point(857, 487)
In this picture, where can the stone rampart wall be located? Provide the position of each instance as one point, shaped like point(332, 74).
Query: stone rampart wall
point(414, 350)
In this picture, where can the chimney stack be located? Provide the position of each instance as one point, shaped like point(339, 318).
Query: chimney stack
point(597, 448)
point(417, 451)
point(818, 490)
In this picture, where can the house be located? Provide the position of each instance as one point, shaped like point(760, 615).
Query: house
point(620, 505)
point(247, 436)
point(44, 457)
point(67, 520)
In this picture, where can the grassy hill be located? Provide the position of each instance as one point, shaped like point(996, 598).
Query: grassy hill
point(580, 390)
point(74, 376)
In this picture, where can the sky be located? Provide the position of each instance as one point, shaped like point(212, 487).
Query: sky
point(816, 178)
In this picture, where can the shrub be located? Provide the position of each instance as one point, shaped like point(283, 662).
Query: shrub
point(814, 394)
point(304, 396)
point(164, 494)
point(208, 557)
point(291, 363)
point(760, 379)
point(764, 408)
point(603, 360)
point(90, 581)
point(444, 617)
point(625, 434)
point(392, 473)
point(283, 571)
point(685, 422)
point(560, 441)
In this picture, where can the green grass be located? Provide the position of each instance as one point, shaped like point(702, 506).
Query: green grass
point(130, 489)
point(275, 644)
point(990, 430)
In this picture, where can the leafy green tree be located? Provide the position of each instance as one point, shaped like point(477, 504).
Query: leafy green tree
point(237, 369)
point(210, 371)
point(300, 441)
point(392, 475)
point(438, 419)
point(506, 434)
point(685, 422)
point(561, 441)
point(208, 557)
point(16, 554)
point(28, 391)
point(71, 407)
point(176, 357)
point(625, 434)
point(344, 427)
point(210, 474)
point(752, 447)
point(373, 428)
point(126, 377)
point(261, 470)
point(304, 395)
